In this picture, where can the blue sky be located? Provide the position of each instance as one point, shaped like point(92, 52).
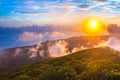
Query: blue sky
point(16, 13)
point(19, 13)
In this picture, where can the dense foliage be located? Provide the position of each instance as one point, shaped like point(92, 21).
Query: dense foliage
point(91, 64)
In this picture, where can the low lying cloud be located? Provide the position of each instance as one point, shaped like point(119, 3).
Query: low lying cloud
point(32, 36)
point(76, 49)
point(17, 51)
point(57, 35)
point(112, 42)
point(34, 50)
point(58, 49)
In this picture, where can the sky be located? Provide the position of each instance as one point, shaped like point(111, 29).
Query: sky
point(19, 13)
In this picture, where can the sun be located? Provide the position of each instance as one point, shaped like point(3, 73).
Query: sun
point(93, 26)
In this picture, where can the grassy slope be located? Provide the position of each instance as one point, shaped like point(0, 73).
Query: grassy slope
point(91, 64)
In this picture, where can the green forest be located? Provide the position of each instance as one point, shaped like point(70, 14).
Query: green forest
point(92, 64)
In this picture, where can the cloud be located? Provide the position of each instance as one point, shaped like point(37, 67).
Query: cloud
point(113, 29)
point(35, 7)
point(101, 0)
point(59, 8)
point(42, 53)
point(76, 49)
point(112, 42)
point(30, 13)
point(17, 51)
point(91, 5)
point(39, 37)
point(101, 5)
point(59, 49)
point(84, 6)
point(29, 37)
point(53, 36)
point(56, 6)
point(34, 50)
point(57, 35)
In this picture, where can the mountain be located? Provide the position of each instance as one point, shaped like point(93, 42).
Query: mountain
point(101, 63)
point(15, 57)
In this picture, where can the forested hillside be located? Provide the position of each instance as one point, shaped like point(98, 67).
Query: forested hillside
point(93, 64)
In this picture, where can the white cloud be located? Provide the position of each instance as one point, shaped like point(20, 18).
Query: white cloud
point(17, 51)
point(114, 43)
point(42, 53)
point(57, 35)
point(33, 37)
point(33, 51)
point(58, 49)
point(76, 49)
point(29, 37)
point(111, 42)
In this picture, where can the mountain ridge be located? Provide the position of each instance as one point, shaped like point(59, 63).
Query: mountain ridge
point(27, 54)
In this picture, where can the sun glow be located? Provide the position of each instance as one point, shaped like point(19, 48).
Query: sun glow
point(93, 26)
